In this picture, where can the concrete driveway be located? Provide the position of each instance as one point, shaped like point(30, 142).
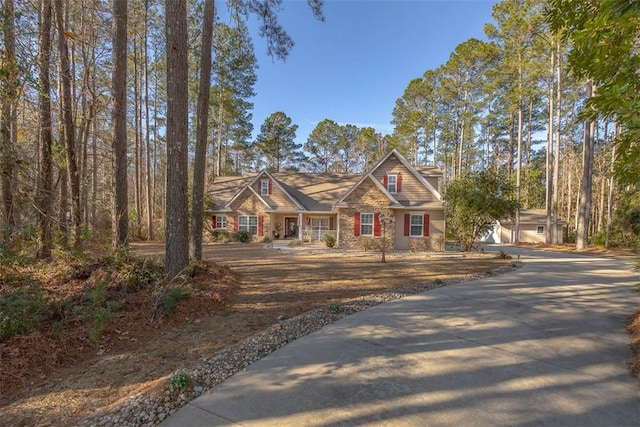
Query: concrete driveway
point(544, 345)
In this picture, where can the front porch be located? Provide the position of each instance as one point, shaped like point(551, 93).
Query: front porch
point(302, 226)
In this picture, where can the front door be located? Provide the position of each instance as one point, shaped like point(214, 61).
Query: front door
point(290, 227)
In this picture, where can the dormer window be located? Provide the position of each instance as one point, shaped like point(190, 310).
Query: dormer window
point(392, 183)
point(264, 187)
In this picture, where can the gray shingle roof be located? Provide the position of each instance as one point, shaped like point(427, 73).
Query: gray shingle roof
point(316, 191)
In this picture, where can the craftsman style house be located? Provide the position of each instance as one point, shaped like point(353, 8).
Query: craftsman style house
point(394, 200)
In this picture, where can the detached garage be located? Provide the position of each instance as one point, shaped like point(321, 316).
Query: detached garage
point(533, 228)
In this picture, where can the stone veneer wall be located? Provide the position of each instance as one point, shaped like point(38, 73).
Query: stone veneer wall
point(366, 198)
point(249, 205)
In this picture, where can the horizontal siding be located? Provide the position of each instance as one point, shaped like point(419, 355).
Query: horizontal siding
point(413, 191)
point(278, 199)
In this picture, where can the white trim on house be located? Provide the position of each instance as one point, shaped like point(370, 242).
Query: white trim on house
point(277, 184)
point(373, 221)
point(250, 188)
point(406, 164)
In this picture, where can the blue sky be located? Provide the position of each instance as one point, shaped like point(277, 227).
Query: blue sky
point(352, 67)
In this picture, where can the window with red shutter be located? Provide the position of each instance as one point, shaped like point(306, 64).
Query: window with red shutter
point(260, 225)
point(235, 223)
point(356, 224)
point(407, 224)
point(399, 183)
point(213, 221)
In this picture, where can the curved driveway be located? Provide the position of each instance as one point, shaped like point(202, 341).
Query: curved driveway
point(544, 345)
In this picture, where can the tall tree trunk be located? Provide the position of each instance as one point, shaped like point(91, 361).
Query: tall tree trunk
point(527, 158)
point(556, 157)
point(612, 184)
point(7, 135)
point(119, 80)
point(137, 130)
point(519, 153)
point(44, 199)
point(549, 155)
point(511, 148)
point(63, 213)
point(147, 126)
point(177, 212)
point(603, 180)
point(218, 168)
point(68, 126)
point(200, 160)
point(462, 133)
point(584, 208)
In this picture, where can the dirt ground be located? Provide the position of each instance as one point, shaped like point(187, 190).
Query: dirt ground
point(261, 285)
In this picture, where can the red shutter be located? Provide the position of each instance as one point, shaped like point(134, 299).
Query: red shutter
point(399, 183)
point(260, 225)
point(385, 181)
point(407, 224)
point(376, 224)
point(356, 224)
point(235, 223)
point(270, 187)
point(213, 221)
point(425, 225)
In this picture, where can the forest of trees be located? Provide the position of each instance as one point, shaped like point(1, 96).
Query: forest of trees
point(114, 120)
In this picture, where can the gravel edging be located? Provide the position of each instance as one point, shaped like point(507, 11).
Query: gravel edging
point(149, 409)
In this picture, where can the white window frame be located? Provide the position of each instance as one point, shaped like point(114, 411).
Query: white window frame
point(412, 225)
point(364, 224)
point(248, 223)
point(540, 229)
point(221, 221)
point(395, 183)
point(264, 187)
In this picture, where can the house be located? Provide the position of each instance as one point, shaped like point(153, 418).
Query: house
point(394, 200)
point(533, 225)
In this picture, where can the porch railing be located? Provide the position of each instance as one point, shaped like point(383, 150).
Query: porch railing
point(315, 235)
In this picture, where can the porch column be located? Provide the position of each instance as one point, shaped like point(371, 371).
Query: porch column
point(300, 226)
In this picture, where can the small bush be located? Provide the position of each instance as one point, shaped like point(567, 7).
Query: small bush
point(265, 239)
point(169, 299)
point(335, 308)
point(220, 236)
point(99, 312)
point(598, 239)
point(20, 311)
point(329, 240)
point(134, 271)
point(243, 236)
point(179, 380)
point(100, 316)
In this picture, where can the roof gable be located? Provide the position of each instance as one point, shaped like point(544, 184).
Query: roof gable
point(248, 187)
point(277, 183)
point(406, 164)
